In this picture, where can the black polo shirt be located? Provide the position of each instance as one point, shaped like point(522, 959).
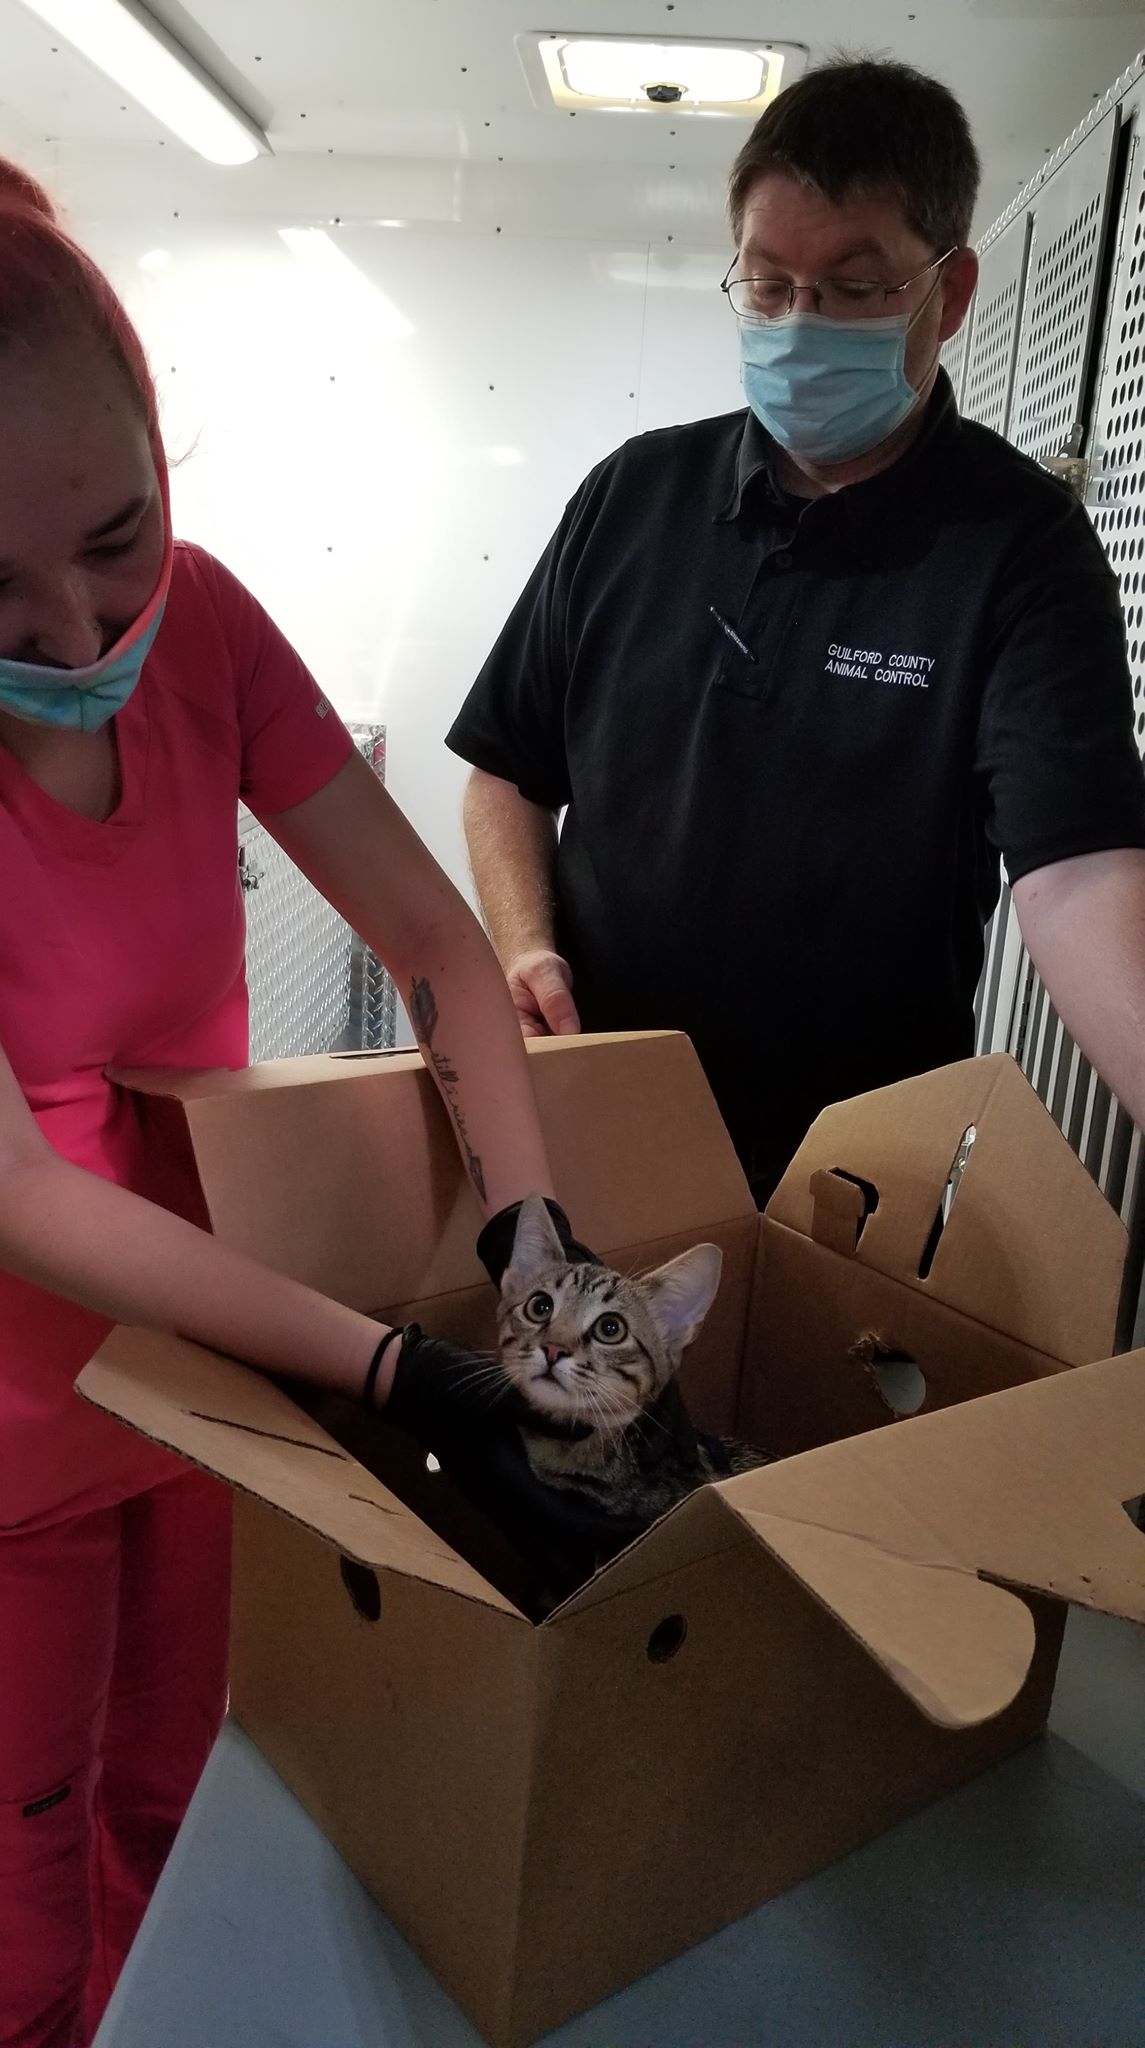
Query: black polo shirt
point(793, 739)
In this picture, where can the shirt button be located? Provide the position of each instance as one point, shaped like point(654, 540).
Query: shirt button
point(782, 560)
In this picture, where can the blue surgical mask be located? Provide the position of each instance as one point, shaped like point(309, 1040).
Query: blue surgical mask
point(827, 390)
point(80, 699)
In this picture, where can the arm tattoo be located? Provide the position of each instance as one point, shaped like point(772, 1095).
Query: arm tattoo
point(423, 1017)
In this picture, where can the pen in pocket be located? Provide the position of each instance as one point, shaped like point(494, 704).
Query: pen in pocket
point(725, 627)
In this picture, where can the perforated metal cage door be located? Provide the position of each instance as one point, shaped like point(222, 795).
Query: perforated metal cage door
point(1062, 307)
point(314, 986)
point(1062, 317)
point(1116, 489)
point(988, 379)
point(953, 355)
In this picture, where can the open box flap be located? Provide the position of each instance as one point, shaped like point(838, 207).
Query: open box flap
point(345, 1173)
point(900, 1531)
point(1030, 1246)
point(240, 1426)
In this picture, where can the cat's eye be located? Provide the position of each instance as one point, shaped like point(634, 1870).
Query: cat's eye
point(539, 1308)
point(610, 1329)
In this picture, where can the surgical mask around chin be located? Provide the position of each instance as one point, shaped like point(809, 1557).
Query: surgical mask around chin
point(827, 390)
point(79, 699)
point(84, 699)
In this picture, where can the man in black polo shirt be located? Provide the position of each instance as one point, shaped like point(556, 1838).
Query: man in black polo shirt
point(798, 676)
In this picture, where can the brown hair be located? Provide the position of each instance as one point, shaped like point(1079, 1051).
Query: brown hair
point(49, 286)
point(865, 124)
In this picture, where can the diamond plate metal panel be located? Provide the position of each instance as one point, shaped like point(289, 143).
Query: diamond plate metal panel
point(298, 954)
point(988, 379)
point(372, 1023)
point(314, 985)
point(1061, 312)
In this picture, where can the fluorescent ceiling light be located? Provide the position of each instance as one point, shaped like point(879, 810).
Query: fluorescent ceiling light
point(624, 73)
point(122, 39)
point(343, 285)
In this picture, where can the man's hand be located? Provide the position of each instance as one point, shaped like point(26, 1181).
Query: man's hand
point(540, 984)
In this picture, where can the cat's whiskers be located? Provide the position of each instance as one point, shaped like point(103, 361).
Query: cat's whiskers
point(491, 1379)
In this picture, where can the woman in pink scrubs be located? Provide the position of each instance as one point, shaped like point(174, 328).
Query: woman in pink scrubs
point(143, 692)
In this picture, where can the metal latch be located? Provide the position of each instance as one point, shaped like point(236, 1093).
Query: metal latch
point(1072, 469)
point(249, 877)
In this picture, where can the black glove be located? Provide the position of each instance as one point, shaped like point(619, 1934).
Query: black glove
point(439, 1388)
point(495, 1244)
point(463, 1410)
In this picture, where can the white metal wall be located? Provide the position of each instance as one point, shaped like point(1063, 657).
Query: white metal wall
point(1053, 356)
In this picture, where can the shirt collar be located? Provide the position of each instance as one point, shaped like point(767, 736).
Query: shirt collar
point(868, 507)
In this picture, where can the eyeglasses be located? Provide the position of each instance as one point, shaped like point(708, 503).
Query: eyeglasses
point(763, 299)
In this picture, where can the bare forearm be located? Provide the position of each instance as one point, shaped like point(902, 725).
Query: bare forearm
point(512, 849)
point(1084, 924)
point(368, 861)
point(125, 1258)
point(464, 1021)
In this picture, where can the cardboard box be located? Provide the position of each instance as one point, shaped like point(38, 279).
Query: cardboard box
point(789, 1662)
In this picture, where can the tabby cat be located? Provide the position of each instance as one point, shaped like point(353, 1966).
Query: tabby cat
point(594, 1355)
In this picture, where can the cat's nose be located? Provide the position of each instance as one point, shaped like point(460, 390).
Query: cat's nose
point(552, 1352)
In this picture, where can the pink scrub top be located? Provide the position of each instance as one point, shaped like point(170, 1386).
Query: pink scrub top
point(121, 945)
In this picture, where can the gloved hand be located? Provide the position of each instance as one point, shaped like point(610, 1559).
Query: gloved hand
point(463, 1409)
point(438, 1388)
point(495, 1244)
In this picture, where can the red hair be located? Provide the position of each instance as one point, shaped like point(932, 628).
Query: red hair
point(49, 286)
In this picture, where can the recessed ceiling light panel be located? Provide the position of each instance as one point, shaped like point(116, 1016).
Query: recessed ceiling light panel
point(613, 73)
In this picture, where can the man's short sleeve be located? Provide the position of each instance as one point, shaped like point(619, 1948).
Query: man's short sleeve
point(512, 723)
point(1056, 747)
point(293, 742)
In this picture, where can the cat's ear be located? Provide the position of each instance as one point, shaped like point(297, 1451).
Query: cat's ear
point(536, 1250)
point(680, 1294)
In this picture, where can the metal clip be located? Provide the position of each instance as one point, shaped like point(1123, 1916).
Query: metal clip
point(249, 878)
point(1072, 469)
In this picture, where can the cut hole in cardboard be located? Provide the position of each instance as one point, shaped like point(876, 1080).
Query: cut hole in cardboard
point(867, 1189)
point(1135, 1509)
point(898, 1378)
point(362, 1586)
point(666, 1638)
point(946, 1201)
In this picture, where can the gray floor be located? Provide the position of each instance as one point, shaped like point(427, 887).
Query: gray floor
point(1009, 1916)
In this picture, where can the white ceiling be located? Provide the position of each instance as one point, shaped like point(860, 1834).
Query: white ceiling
point(350, 89)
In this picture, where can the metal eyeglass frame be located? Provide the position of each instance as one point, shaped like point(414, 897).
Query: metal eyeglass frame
point(889, 291)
